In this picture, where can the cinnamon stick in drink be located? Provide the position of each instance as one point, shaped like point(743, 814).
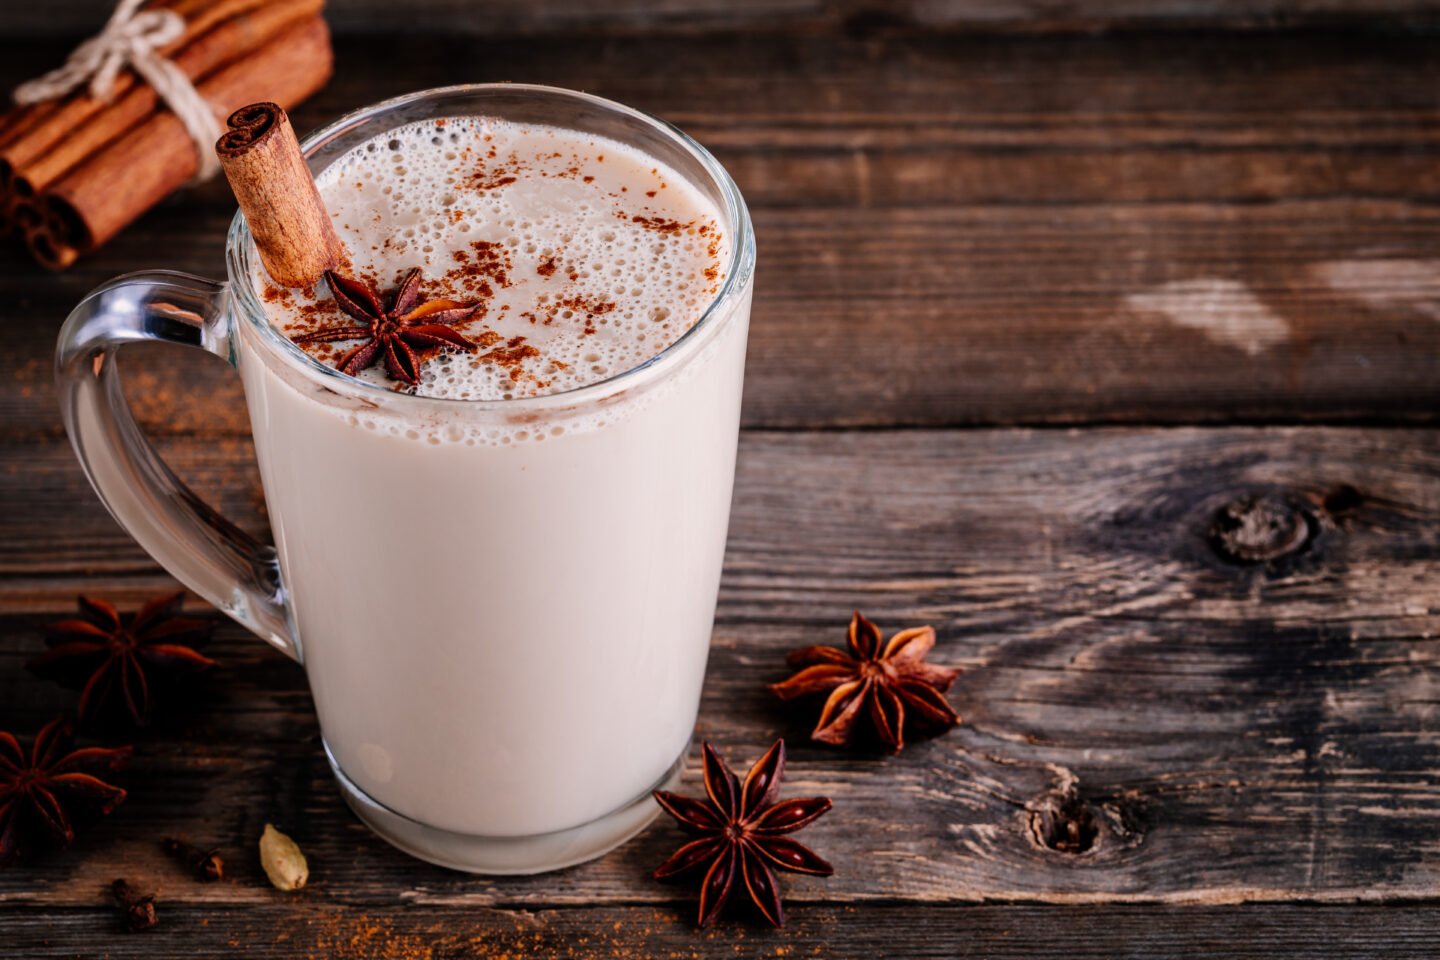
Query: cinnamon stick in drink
point(262, 160)
point(115, 185)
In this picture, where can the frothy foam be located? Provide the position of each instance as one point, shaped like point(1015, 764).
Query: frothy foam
point(586, 257)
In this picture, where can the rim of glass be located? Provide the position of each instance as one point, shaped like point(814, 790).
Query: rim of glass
point(737, 277)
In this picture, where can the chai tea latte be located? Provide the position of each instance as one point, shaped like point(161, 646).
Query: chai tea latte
point(504, 594)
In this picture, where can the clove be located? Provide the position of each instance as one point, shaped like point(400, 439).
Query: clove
point(137, 911)
point(206, 865)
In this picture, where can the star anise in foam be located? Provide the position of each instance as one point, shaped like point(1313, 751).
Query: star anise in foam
point(399, 336)
point(118, 661)
point(40, 790)
point(891, 686)
point(740, 835)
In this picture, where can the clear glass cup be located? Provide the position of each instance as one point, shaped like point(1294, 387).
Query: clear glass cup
point(503, 607)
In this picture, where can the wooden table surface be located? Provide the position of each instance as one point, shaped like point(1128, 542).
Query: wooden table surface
point(1032, 310)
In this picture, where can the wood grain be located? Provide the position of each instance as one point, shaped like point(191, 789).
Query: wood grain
point(515, 16)
point(1232, 733)
point(302, 929)
point(953, 232)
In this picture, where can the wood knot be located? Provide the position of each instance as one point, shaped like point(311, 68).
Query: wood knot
point(1258, 528)
point(1340, 502)
point(1062, 820)
point(1070, 829)
point(1064, 823)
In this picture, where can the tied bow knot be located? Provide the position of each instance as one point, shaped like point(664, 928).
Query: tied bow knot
point(130, 39)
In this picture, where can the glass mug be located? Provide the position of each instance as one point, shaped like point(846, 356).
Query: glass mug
point(503, 608)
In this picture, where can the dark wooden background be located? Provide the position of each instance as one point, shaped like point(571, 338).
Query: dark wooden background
point(1043, 287)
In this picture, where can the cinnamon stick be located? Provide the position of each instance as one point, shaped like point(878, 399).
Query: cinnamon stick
point(79, 125)
point(112, 187)
point(23, 121)
point(199, 16)
point(262, 160)
point(16, 123)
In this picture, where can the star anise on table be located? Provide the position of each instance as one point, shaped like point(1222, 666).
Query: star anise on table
point(38, 788)
point(740, 835)
point(117, 661)
point(398, 336)
point(891, 686)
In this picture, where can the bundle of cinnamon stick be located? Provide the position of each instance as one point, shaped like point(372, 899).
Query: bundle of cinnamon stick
point(76, 170)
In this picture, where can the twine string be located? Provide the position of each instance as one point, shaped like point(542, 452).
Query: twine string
point(130, 39)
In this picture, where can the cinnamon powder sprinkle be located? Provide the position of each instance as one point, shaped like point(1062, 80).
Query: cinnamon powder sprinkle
point(278, 295)
point(512, 356)
point(588, 308)
point(483, 179)
point(484, 263)
point(660, 224)
point(337, 933)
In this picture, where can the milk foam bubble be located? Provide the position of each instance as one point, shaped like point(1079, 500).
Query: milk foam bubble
point(586, 257)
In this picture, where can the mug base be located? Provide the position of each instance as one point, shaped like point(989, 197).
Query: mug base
point(506, 856)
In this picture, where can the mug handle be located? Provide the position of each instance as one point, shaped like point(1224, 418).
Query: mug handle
point(209, 554)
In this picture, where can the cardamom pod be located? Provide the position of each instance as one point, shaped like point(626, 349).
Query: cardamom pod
point(283, 862)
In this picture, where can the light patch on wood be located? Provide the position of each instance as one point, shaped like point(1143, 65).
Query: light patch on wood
point(1386, 284)
point(1224, 310)
point(1164, 596)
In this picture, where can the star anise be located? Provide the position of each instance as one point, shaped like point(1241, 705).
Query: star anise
point(35, 788)
point(395, 335)
point(115, 660)
point(740, 834)
point(892, 687)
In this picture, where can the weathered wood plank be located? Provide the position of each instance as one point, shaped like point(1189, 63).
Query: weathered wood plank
point(1230, 732)
point(958, 232)
point(515, 16)
point(303, 929)
point(1016, 230)
point(885, 317)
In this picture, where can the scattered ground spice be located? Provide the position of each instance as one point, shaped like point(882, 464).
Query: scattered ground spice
point(511, 356)
point(644, 934)
point(487, 179)
point(588, 308)
point(36, 373)
point(277, 295)
point(659, 224)
point(486, 262)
